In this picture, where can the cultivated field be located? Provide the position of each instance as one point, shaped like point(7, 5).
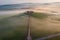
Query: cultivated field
point(13, 27)
point(42, 24)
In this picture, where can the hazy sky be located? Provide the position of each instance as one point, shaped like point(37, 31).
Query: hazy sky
point(26, 1)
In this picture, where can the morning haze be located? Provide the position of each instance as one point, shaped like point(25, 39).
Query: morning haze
point(26, 1)
point(29, 19)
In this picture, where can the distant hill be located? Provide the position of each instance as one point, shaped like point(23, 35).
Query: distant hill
point(17, 6)
point(21, 6)
point(27, 6)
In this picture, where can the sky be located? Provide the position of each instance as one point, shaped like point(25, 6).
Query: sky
point(26, 1)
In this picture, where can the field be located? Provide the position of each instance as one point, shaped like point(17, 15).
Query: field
point(13, 28)
point(42, 24)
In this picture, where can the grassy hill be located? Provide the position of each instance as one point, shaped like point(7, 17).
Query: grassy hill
point(13, 28)
point(42, 24)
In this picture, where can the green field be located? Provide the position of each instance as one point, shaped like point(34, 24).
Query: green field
point(42, 24)
point(13, 28)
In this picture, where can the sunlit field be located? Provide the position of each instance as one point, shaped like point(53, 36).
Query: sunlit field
point(41, 24)
point(45, 24)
